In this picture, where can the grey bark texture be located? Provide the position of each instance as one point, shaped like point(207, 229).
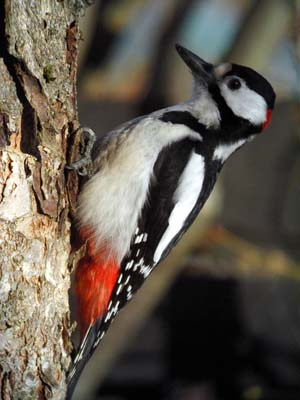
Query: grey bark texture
point(38, 56)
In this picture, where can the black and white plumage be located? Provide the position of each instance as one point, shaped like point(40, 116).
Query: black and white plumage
point(151, 178)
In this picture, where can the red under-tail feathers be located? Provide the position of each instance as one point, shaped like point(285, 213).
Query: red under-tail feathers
point(96, 275)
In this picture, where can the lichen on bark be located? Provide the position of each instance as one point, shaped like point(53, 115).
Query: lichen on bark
point(38, 41)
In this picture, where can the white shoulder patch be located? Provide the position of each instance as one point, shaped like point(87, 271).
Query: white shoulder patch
point(185, 197)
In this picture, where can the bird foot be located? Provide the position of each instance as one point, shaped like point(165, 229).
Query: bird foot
point(83, 166)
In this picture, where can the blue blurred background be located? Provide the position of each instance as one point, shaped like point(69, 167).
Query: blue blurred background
point(220, 319)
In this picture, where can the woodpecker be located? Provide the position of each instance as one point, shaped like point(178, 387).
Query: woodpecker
point(150, 179)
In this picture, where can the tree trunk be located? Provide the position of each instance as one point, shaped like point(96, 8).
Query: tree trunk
point(38, 53)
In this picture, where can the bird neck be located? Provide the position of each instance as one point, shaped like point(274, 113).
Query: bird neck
point(203, 107)
point(220, 123)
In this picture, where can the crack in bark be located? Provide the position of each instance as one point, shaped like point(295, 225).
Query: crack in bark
point(29, 138)
point(6, 171)
point(6, 392)
point(71, 56)
point(45, 206)
point(44, 388)
point(4, 131)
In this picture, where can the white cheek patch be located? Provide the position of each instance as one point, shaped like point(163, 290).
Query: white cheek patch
point(185, 198)
point(245, 103)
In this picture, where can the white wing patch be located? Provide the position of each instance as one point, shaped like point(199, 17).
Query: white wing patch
point(185, 197)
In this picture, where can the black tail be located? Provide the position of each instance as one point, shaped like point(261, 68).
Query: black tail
point(87, 347)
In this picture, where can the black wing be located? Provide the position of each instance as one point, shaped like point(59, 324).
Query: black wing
point(153, 222)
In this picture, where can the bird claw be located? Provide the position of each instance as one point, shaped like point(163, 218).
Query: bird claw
point(81, 170)
point(83, 166)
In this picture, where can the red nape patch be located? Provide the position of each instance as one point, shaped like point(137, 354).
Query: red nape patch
point(268, 119)
point(96, 275)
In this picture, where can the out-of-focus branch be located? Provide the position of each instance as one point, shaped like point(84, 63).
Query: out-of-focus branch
point(264, 26)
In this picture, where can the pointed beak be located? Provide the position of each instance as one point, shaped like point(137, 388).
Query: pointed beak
point(199, 68)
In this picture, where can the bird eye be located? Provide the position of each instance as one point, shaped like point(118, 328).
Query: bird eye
point(234, 84)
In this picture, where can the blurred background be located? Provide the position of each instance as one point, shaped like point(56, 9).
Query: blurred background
point(220, 319)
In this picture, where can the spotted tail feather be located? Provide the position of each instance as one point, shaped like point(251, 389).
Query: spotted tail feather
point(84, 353)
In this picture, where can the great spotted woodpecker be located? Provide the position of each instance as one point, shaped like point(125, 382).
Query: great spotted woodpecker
point(151, 177)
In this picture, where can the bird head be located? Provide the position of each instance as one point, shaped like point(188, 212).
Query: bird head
point(236, 95)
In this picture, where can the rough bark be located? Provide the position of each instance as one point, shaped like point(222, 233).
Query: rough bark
point(38, 42)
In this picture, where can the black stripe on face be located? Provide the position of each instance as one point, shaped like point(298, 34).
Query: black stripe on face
point(233, 127)
point(183, 118)
point(225, 111)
